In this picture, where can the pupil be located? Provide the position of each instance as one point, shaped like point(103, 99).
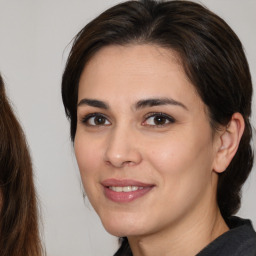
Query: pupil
point(159, 120)
point(99, 120)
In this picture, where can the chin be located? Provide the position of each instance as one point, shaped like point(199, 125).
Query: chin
point(122, 231)
point(122, 226)
point(116, 231)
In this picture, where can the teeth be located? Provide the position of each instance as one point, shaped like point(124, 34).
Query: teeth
point(125, 189)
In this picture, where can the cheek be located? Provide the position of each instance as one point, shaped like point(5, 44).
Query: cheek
point(87, 151)
point(87, 156)
point(184, 174)
point(183, 160)
point(179, 154)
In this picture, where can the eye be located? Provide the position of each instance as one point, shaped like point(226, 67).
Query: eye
point(95, 119)
point(158, 119)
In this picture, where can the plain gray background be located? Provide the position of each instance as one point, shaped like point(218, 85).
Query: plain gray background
point(34, 43)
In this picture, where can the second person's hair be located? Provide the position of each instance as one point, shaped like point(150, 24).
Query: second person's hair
point(19, 232)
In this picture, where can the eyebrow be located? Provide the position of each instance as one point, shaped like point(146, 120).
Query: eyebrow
point(158, 102)
point(93, 103)
point(140, 104)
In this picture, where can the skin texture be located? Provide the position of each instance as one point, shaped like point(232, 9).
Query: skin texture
point(180, 157)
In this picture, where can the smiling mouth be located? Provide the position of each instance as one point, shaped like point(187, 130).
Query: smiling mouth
point(125, 191)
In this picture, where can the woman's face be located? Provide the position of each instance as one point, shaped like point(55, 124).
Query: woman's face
point(144, 145)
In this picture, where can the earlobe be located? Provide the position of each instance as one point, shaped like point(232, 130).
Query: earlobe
point(229, 140)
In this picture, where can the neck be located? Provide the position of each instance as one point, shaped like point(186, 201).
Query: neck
point(186, 237)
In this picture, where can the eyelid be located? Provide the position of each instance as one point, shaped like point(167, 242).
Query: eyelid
point(155, 114)
point(87, 117)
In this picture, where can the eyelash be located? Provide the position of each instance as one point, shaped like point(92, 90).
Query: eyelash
point(85, 120)
point(168, 118)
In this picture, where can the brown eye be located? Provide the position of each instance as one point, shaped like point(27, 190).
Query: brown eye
point(99, 120)
point(158, 119)
point(96, 120)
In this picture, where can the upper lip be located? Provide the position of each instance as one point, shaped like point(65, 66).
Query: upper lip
point(124, 183)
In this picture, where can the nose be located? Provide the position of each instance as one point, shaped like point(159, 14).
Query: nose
point(122, 148)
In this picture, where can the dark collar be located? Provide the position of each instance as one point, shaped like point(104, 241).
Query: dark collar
point(240, 240)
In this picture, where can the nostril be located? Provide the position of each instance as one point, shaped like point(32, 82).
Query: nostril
point(120, 164)
point(129, 163)
point(108, 163)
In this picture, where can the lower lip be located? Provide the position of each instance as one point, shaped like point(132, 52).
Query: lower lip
point(125, 197)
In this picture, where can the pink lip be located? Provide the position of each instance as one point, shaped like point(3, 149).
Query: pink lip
point(125, 197)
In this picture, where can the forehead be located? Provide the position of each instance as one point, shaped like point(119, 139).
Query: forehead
point(137, 71)
point(143, 57)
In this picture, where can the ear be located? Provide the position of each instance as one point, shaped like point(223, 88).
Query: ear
point(228, 142)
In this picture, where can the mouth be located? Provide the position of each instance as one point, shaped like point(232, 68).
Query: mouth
point(124, 191)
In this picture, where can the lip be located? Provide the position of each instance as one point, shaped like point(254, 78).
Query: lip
point(125, 197)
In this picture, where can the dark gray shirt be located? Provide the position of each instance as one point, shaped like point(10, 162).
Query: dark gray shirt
point(240, 240)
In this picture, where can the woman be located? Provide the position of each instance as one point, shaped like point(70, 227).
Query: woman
point(159, 99)
point(19, 233)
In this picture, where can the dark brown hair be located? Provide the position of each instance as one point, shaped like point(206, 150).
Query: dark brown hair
point(212, 56)
point(19, 233)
